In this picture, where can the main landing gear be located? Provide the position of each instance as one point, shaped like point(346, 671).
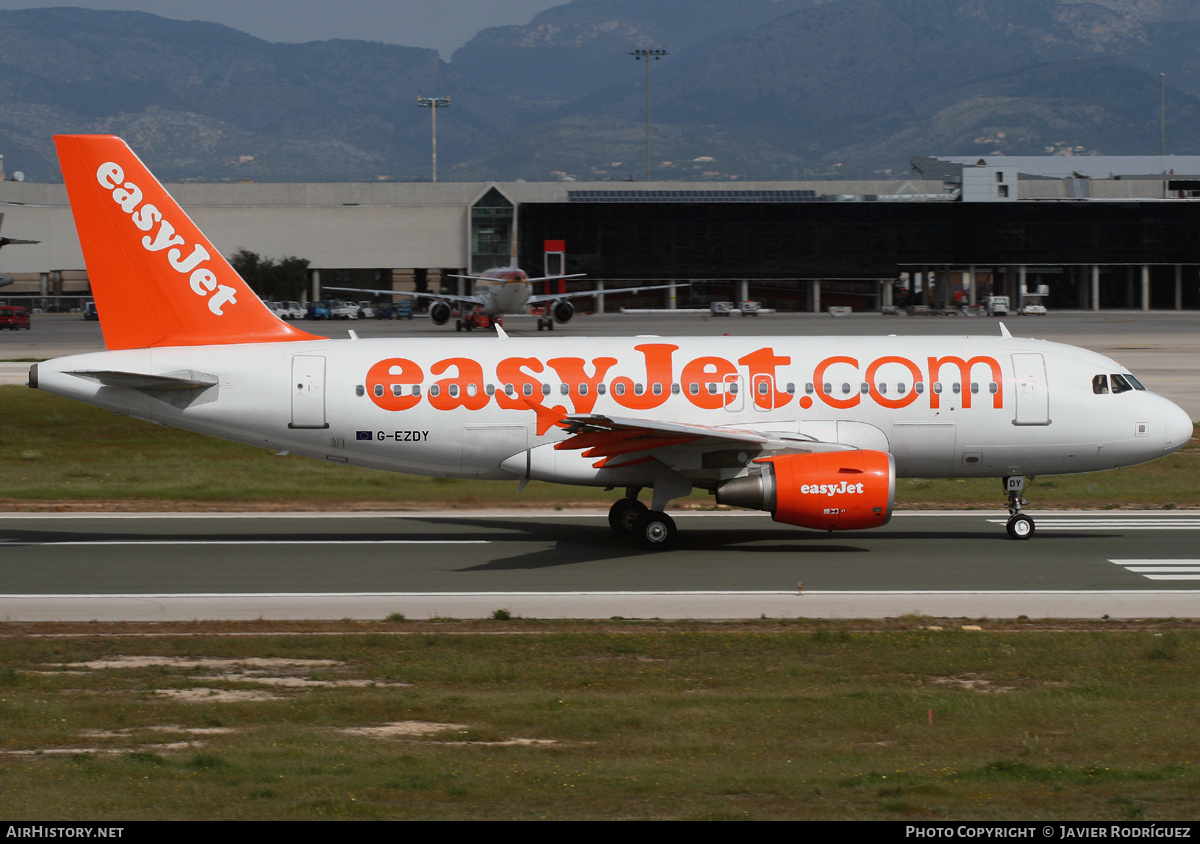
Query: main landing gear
point(651, 529)
point(1019, 525)
point(545, 323)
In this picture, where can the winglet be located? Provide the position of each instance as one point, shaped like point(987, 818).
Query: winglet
point(157, 279)
point(501, 334)
point(1004, 330)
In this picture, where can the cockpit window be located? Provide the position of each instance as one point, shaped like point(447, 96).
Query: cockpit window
point(1137, 385)
point(1100, 384)
point(1119, 384)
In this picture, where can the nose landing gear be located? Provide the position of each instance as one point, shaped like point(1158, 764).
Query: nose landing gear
point(1019, 525)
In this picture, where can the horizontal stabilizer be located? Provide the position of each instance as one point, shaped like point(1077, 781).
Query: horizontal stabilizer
point(179, 389)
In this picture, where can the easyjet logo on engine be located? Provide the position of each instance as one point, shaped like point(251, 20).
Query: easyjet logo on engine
point(831, 489)
point(706, 382)
point(145, 216)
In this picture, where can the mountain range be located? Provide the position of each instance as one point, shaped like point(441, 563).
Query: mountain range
point(748, 89)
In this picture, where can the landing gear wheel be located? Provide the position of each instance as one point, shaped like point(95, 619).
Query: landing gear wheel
point(1020, 527)
point(623, 515)
point(655, 531)
point(458, 325)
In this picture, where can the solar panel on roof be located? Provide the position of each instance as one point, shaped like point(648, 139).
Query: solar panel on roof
point(692, 196)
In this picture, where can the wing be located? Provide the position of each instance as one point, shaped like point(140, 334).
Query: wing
point(529, 280)
point(555, 297)
point(621, 441)
point(449, 297)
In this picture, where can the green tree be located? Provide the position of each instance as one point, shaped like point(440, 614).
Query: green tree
point(272, 280)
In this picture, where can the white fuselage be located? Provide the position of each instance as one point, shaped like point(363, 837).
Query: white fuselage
point(503, 291)
point(942, 406)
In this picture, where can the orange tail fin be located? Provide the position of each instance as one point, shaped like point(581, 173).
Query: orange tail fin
point(156, 278)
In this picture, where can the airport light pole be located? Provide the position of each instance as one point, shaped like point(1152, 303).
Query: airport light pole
point(434, 103)
point(638, 55)
point(1162, 114)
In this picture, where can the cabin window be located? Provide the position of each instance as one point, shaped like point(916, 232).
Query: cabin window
point(937, 387)
point(762, 388)
point(993, 388)
point(453, 391)
point(619, 389)
point(791, 389)
point(583, 389)
point(865, 388)
point(360, 391)
point(508, 389)
point(564, 389)
point(601, 389)
point(675, 389)
point(527, 389)
point(397, 390)
point(827, 387)
point(956, 387)
point(416, 389)
point(656, 389)
point(694, 388)
point(545, 389)
point(435, 390)
point(712, 388)
point(808, 388)
point(974, 387)
point(883, 389)
point(733, 387)
point(638, 389)
point(846, 389)
point(900, 388)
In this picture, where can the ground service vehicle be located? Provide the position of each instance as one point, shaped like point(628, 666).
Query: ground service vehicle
point(14, 317)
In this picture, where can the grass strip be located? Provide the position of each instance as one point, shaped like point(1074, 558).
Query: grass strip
point(904, 720)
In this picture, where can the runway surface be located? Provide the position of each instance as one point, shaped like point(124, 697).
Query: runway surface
point(159, 567)
point(463, 565)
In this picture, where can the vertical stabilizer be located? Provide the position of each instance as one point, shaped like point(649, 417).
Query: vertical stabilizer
point(156, 278)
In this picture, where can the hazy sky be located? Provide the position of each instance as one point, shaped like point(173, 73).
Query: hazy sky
point(442, 24)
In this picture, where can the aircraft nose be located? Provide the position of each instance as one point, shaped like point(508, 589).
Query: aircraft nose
point(1177, 428)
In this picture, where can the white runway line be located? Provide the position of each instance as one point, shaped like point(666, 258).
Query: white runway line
point(1162, 569)
point(1181, 603)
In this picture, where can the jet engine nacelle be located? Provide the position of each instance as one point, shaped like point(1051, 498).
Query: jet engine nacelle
point(834, 490)
point(439, 312)
point(563, 311)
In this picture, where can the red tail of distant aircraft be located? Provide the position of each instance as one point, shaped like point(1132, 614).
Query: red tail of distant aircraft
point(813, 430)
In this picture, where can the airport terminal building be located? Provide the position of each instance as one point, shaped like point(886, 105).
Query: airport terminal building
point(1069, 232)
